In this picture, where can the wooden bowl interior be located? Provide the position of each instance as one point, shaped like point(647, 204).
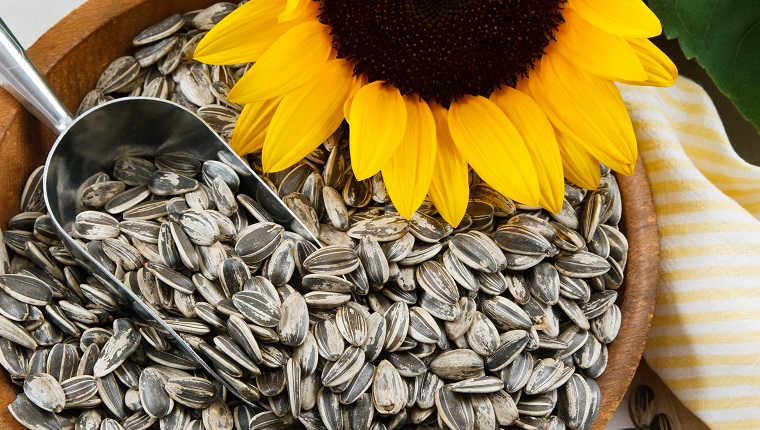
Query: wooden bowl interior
point(74, 52)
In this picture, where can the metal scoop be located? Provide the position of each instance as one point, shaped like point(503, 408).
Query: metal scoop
point(93, 142)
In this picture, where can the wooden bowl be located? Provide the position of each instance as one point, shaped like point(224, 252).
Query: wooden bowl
point(74, 52)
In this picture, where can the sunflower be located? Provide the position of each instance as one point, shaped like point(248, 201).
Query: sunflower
point(522, 91)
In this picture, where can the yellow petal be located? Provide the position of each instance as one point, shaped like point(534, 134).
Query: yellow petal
point(293, 9)
point(378, 122)
point(538, 135)
point(360, 82)
point(307, 116)
point(408, 173)
point(627, 18)
point(250, 129)
point(596, 51)
point(231, 41)
point(587, 108)
point(661, 72)
point(491, 144)
point(449, 189)
point(523, 85)
point(579, 166)
point(347, 107)
point(291, 61)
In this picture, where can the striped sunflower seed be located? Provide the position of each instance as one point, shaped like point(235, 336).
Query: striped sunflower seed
point(478, 252)
point(458, 364)
point(352, 325)
point(169, 183)
point(344, 368)
point(661, 422)
point(193, 392)
point(160, 30)
point(199, 227)
point(437, 282)
point(574, 401)
point(126, 337)
point(14, 333)
point(397, 325)
point(293, 324)
point(150, 54)
point(32, 199)
point(511, 344)
point(482, 336)
point(153, 396)
point(521, 240)
point(422, 326)
point(149, 210)
point(407, 364)
point(334, 260)
point(504, 408)
point(93, 225)
point(134, 171)
point(258, 241)
point(606, 326)
point(581, 264)
point(120, 73)
point(388, 389)
point(32, 417)
point(454, 409)
point(79, 389)
point(45, 391)
point(26, 289)
point(384, 228)
point(111, 392)
point(329, 340)
point(257, 308)
point(98, 194)
point(373, 261)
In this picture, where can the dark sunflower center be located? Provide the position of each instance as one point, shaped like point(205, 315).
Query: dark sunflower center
point(442, 49)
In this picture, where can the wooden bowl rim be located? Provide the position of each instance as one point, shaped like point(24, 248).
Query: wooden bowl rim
point(639, 220)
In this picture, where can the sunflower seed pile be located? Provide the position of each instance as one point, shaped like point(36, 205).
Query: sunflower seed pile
point(79, 362)
point(162, 67)
point(501, 322)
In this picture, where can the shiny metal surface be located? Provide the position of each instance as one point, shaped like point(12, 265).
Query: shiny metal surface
point(22, 79)
point(139, 127)
point(94, 141)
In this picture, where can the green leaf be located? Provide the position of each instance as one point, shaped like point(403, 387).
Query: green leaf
point(724, 37)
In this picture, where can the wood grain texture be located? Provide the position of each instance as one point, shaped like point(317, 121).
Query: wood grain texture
point(74, 52)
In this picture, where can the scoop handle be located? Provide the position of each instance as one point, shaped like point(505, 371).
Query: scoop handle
point(22, 79)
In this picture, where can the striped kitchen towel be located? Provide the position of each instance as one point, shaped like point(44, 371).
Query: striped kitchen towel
point(705, 337)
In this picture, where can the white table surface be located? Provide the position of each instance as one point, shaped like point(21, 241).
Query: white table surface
point(29, 19)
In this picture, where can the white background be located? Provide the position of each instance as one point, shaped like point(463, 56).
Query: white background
point(29, 19)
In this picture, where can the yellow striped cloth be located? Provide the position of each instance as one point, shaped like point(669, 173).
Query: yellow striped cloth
point(705, 337)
